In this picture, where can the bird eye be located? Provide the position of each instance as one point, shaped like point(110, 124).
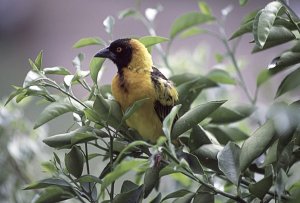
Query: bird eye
point(119, 49)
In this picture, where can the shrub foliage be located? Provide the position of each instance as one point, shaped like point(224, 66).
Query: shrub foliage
point(228, 153)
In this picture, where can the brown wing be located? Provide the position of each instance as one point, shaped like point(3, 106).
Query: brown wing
point(166, 94)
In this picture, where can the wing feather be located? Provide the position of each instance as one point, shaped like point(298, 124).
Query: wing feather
point(166, 94)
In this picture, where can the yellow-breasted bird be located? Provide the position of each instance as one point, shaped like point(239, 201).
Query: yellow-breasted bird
point(137, 79)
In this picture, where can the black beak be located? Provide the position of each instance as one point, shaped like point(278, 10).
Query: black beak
point(106, 53)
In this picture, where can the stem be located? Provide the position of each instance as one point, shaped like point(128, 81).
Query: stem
point(98, 146)
point(235, 64)
point(87, 158)
point(77, 185)
point(88, 169)
point(61, 90)
point(111, 161)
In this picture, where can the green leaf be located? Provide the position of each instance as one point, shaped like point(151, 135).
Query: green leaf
point(74, 161)
point(250, 16)
point(135, 195)
point(263, 77)
point(261, 188)
point(272, 154)
point(133, 108)
point(190, 90)
point(32, 90)
point(198, 137)
point(224, 134)
point(194, 163)
point(207, 155)
point(53, 194)
point(172, 168)
point(109, 23)
point(33, 66)
point(105, 90)
point(280, 184)
point(169, 120)
point(48, 182)
point(31, 77)
point(183, 78)
point(290, 82)
point(52, 111)
point(176, 194)
point(285, 155)
point(88, 41)
point(108, 110)
point(122, 168)
point(156, 199)
point(285, 22)
point(93, 116)
point(18, 91)
point(77, 61)
point(95, 66)
point(49, 167)
point(264, 21)
point(221, 76)
point(68, 80)
point(224, 115)
point(246, 24)
point(64, 140)
point(185, 199)
point(286, 59)
point(204, 8)
point(204, 195)
point(57, 70)
point(127, 147)
point(149, 41)
point(243, 29)
point(151, 179)
point(188, 20)
point(83, 138)
point(277, 36)
point(126, 13)
point(229, 163)
point(80, 74)
point(128, 186)
point(89, 179)
point(256, 144)
point(193, 117)
point(39, 61)
point(191, 32)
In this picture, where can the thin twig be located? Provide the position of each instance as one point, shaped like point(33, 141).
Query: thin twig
point(64, 92)
point(235, 65)
point(111, 161)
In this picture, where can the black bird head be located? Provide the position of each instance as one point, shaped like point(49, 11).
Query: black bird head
point(119, 51)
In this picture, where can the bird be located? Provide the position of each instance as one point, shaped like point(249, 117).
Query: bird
point(137, 79)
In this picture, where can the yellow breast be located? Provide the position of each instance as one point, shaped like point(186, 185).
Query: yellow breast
point(133, 86)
